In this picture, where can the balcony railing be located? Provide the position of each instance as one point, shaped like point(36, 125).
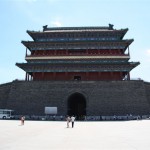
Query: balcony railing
point(76, 54)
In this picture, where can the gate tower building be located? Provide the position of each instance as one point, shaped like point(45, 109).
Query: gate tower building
point(81, 71)
point(78, 53)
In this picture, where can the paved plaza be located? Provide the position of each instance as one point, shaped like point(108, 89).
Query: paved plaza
point(53, 135)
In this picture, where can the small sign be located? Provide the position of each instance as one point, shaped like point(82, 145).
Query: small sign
point(50, 110)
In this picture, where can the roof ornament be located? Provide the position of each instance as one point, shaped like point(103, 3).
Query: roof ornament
point(45, 27)
point(111, 26)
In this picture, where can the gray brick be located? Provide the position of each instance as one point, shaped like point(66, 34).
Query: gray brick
point(102, 97)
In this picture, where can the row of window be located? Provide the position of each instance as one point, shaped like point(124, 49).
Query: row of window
point(79, 35)
point(76, 39)
point(66, 52)
point(75, 47)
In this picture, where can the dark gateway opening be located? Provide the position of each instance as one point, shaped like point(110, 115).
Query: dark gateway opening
point(77, 106)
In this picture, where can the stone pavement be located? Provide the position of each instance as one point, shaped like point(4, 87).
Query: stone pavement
point(53, 135)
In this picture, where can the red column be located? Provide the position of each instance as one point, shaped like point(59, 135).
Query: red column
point(42, 75)
point(55, 52)
point(86, 52)
point(66, 76)
point(121, 75)
point(54, 75)
point(111, 75)
point(99, 75)
point(87, 75)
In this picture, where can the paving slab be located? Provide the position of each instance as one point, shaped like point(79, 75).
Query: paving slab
point(54, 135)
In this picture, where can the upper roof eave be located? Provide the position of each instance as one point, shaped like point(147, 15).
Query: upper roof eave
point(96, 41)
point(34, 34)
point(29, 43)
point(96, 30)
point(46, 28)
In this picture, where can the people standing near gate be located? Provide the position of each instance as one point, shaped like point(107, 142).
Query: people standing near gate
point(72, 121)
point(68, 120)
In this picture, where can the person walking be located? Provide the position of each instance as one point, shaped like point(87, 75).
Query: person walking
point(72, 121)
point(22, 120)
point(68, 120)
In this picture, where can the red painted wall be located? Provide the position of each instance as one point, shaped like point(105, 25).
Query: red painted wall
point(84, 76)
point(76, 52)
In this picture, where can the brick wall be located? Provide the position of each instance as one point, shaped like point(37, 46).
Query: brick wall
point(102, 97)
point(4, 93)
point(147, 87)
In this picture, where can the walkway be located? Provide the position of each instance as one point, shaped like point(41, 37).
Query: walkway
point(53, 135)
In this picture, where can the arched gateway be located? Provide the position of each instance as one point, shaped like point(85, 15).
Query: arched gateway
point(77, 105)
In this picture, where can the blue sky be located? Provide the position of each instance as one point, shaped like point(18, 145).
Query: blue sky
point(17, 16)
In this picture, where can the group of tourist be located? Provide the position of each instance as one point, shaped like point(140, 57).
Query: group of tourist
point(70, 119)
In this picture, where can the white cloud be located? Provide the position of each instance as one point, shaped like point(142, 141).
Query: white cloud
point(56, 23)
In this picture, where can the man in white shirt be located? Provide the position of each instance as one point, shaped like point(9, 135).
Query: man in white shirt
point(72, 120)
